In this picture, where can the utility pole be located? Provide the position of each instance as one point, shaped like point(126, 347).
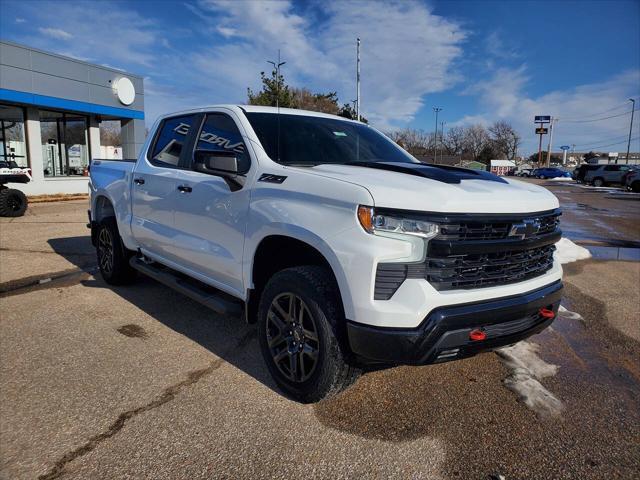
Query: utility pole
point(633, 109)
point(358, 79)
point(435, 139)
point(553, 122)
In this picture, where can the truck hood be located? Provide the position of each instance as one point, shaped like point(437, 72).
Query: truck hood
point(435, 191)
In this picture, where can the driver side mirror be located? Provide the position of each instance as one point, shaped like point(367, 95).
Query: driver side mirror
point(224, 164)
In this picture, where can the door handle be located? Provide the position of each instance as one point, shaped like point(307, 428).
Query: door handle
point(184, 189)
point(138, 181)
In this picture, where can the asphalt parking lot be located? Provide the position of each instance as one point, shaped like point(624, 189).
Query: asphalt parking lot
point(141, 382)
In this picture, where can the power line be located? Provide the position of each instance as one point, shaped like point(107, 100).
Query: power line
point(596, 119)
point(603, 140)
point(611, 144)
point(601, 113)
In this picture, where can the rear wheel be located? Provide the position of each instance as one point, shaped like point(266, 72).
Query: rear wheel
point(598, 182)
point(13, 203)
point(113, 257)
point(299, 321)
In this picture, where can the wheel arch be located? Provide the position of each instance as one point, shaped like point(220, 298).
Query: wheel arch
point(278, 251)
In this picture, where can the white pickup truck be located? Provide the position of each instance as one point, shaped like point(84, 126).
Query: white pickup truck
point(347, 252)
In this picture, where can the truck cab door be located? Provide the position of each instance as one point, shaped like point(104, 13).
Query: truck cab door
point(154, 187)
point(211, 212)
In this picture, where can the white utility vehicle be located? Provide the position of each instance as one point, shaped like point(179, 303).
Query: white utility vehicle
point(347, 252)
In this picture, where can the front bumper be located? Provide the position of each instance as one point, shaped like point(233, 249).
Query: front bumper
point(444, 334)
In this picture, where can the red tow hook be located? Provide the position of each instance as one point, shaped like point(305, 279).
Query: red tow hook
point(547, 313)
point(477, 335)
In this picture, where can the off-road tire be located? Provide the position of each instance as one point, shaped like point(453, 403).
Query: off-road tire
point(116, 270)
point(316, 287)
point(13, 203)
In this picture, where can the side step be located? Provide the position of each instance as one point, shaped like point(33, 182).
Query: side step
point(208, 296)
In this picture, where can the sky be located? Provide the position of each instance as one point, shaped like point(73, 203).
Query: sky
point(481, 61)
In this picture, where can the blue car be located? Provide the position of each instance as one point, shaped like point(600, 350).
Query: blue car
point(549, 173)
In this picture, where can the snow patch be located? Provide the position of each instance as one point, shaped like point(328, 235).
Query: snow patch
point(561, 179)
point(567, 251)
point(563, 312)
point(527, 368)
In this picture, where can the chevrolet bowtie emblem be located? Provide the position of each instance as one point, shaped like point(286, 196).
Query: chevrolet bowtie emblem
point(525, 229)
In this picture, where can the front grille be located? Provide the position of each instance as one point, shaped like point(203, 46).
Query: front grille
point(488, 269)
point(492, 230)
point(476, 251)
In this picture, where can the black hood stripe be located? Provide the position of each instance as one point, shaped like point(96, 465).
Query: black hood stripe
point(440, 173)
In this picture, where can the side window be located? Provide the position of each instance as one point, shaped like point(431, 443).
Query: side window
point(220, 134)
point(610, 168)
point(171, 138)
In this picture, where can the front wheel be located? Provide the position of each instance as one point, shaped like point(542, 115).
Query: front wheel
point(299, 329)
point(113, 257)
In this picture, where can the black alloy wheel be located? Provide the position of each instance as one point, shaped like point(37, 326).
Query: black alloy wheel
point(105, 251)
point(292, 337)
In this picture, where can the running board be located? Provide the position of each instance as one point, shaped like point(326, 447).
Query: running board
point(210, 297)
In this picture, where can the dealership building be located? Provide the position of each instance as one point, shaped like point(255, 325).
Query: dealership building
point(52, 109)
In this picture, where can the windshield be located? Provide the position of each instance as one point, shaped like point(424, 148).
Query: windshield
point(312, 141)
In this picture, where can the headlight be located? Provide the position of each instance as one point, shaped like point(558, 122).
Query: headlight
point(374, 222)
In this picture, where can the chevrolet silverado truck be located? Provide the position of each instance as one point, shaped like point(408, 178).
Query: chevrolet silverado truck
point(347, 252)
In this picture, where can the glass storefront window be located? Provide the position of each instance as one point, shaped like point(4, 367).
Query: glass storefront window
point(13, 148)
point(65, 150)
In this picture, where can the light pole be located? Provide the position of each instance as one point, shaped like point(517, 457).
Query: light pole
point(633, 109)
point(358, 79)
point(442, 137)
point(435, 139)
point(276, 67)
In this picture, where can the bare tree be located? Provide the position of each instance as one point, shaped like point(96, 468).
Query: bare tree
point(416, 142)
point(454, 140)
point(475, 139)
point(505, 139)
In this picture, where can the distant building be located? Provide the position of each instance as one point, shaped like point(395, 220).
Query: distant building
point(473, 165)
point(451, 160)
point(502, 167)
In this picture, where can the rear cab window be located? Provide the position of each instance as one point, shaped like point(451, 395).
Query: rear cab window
point(170, 141)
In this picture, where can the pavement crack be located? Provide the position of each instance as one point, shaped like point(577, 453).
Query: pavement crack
point(167, 395)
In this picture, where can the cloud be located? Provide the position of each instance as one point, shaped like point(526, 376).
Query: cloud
point(56, 33)
point(20, 20)
point(407, 51)
point(504, 96)
point(108, 31)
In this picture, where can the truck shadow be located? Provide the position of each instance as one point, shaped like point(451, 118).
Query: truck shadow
point(229, 338)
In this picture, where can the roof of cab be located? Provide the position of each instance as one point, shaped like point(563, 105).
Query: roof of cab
point(259, 109)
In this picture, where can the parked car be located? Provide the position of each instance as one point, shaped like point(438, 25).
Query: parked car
point(632, 180)
point(345, 250)
point(580, 171)
point(525, 172)
point(606, 174)
point(550, 172)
